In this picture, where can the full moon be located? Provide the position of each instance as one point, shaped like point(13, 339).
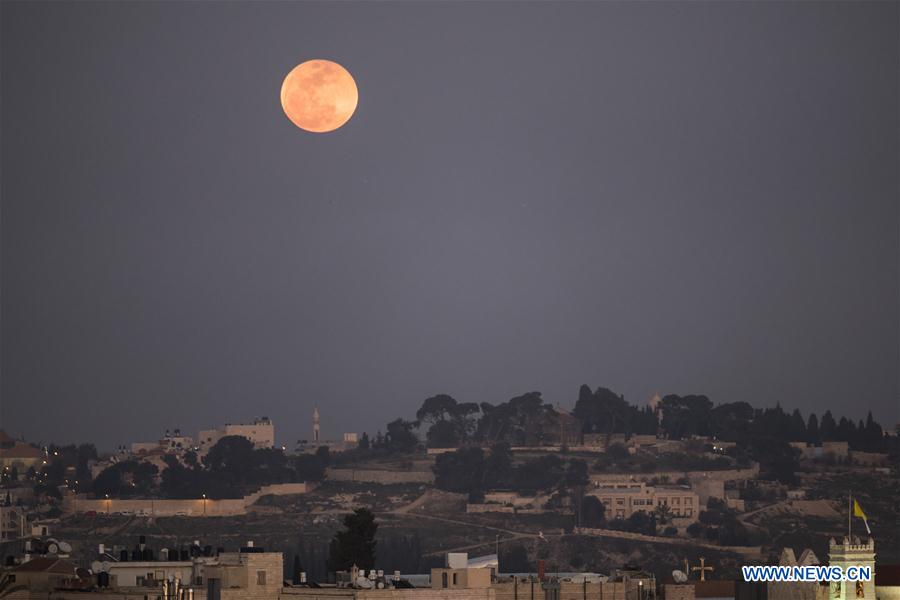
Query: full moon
point(319, 95)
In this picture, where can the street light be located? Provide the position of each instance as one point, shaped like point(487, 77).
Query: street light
point(204, 505)
point(108, 502)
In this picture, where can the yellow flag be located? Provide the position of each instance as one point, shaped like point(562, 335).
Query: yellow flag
point(858, 512)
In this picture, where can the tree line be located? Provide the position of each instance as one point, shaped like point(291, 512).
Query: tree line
point(527, 420)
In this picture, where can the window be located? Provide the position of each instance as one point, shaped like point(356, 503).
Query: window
point(663, 501)
point(687, 500)
point(260, 578)
point(620, 501)
point(444, 579)
point(676, 500)
point(455, 580)
point(688, 512)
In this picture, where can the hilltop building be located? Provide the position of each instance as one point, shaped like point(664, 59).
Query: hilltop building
point(19, 455)
point(171, 442)
point(622, 499)
point(260, 432)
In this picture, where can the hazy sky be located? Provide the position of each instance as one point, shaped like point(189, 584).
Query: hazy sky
point(680, 197)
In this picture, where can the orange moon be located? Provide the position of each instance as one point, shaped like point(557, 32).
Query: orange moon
point(319, 95)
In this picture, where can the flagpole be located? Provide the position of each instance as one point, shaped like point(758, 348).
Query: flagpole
point(849, 517)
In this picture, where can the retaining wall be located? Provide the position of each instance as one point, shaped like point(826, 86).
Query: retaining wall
point(187, 508)
point(382, 476)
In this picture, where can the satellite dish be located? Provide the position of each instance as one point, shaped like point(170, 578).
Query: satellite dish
point(679, 576)
point(52, 548)
point(364, 583)
point(65, 547)
point(104, 566)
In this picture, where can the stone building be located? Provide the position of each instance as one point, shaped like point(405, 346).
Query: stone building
point(622, 499)
point(260, 432)
point(19, 455)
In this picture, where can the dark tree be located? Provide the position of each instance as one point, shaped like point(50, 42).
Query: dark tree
point(498, 466)
point(437, 408)
point(231, 457)
point(812, 429)
point(400, 437)
point(308, 467)
point(515, 560)
point(827, 427)
point(443, 434)
point(461, 471)
point(797, 427)
point(355, 545)
point(593, 513)
point(127, 478)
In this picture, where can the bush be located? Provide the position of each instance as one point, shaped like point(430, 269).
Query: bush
point(696, 530)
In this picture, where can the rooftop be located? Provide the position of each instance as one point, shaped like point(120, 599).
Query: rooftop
point(47, 565)
point(21, 450)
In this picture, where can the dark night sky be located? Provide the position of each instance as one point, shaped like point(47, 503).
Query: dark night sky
point(682, 197)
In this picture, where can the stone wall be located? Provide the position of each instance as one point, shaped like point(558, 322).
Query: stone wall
point(300, 593)
point(869, 458)
point(569, 590)
point(676, 591)
point(187, 508)
point(708, 488)
point(382, 476)
point(692, 476)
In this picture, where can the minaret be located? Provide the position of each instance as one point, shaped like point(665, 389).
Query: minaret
point(316, 424)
